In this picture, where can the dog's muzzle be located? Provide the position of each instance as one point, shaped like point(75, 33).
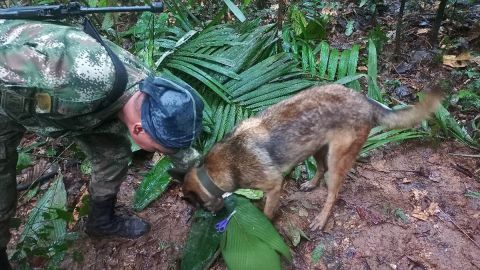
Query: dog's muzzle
point(214, 205)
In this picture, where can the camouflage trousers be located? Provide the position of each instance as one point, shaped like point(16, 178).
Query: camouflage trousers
point(109, 154)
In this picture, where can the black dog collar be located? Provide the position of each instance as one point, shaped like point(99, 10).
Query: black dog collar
point(207, 183)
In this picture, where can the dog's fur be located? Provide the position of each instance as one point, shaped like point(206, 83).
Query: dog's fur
point(329, 122)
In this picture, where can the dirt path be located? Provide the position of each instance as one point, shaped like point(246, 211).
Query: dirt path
point(367, 229)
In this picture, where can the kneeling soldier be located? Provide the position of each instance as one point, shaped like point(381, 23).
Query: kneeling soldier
point(58, 80)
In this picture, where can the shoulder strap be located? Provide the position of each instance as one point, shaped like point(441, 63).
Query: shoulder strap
point(121, 77)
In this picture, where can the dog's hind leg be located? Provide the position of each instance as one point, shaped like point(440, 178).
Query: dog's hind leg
point(341, 155)
point(321, 159)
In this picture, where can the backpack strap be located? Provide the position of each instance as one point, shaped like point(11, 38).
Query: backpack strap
point(121, 76)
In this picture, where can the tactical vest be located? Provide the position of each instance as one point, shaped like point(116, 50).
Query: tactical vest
point(56, 78)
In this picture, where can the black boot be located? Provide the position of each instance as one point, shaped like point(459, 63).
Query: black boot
point(4, 264)
point(103, 222)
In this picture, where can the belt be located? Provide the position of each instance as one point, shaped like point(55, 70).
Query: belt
point(43, 103)
point(14, 103)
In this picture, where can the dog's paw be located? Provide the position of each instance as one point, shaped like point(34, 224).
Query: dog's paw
point(307, 186)
point(318, 223)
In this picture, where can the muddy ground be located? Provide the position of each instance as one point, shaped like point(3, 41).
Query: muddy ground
point(423, 180)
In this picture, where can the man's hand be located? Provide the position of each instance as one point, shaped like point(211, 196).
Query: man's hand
point(182, 161)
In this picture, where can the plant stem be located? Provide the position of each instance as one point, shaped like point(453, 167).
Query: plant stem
point(282, 7)
point(437, 23)
point(399, 31)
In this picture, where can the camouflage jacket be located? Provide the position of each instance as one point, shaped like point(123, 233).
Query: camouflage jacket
point(62, 63)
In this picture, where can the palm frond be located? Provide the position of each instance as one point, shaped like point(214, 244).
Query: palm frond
point(236, 71)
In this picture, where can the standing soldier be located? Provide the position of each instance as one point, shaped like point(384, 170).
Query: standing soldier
point(57, 80)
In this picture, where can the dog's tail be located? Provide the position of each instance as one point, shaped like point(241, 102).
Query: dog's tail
point(408, 116)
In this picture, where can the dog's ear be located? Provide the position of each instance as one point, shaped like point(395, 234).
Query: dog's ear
point(177, 174)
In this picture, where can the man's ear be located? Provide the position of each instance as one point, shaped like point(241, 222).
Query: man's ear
point(137, 128)
point(177, 174)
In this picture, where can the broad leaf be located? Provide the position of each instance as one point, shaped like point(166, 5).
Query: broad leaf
point(251, 194)
point(257, 224)
point(251, 241)
point(153, 185)
point(203, 241)
point(243, 251)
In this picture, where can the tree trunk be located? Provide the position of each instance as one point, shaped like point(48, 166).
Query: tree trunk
point(399, 32)
point(282, 8)
point(438, 22)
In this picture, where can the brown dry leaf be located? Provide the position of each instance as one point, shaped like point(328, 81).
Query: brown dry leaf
point(32, 173)
point(329, 11)
point(418, 213)
point(380, 165)
point(362, 68)
point(406, 180)
point(476, 59)
point(433, 209)
point(84, 192)
point(419, 194)
point(423, 31)
point(457, 61)
point(302, 212)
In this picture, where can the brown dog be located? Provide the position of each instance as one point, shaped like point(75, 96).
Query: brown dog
point(329, 122)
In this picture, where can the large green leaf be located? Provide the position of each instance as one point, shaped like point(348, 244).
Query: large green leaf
point(153, 185)
point(243, 251)
point(251, 241)
point(258, 225)
point(252, 194)
point(202, 242)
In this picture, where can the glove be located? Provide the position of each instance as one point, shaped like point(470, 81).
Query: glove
point(182, 160)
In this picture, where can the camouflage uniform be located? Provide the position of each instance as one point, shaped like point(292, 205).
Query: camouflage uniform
point(52, 80)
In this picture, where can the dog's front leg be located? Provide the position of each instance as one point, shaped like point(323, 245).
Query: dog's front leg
point(321, 159)
point(273, 197)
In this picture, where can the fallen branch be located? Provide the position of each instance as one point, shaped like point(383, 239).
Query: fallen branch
point(464, 155)
point(459, 228)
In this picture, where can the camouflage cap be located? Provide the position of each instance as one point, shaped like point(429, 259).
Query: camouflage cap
point(171, 112)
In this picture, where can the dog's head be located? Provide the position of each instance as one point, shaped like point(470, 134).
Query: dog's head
point(198, 193)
